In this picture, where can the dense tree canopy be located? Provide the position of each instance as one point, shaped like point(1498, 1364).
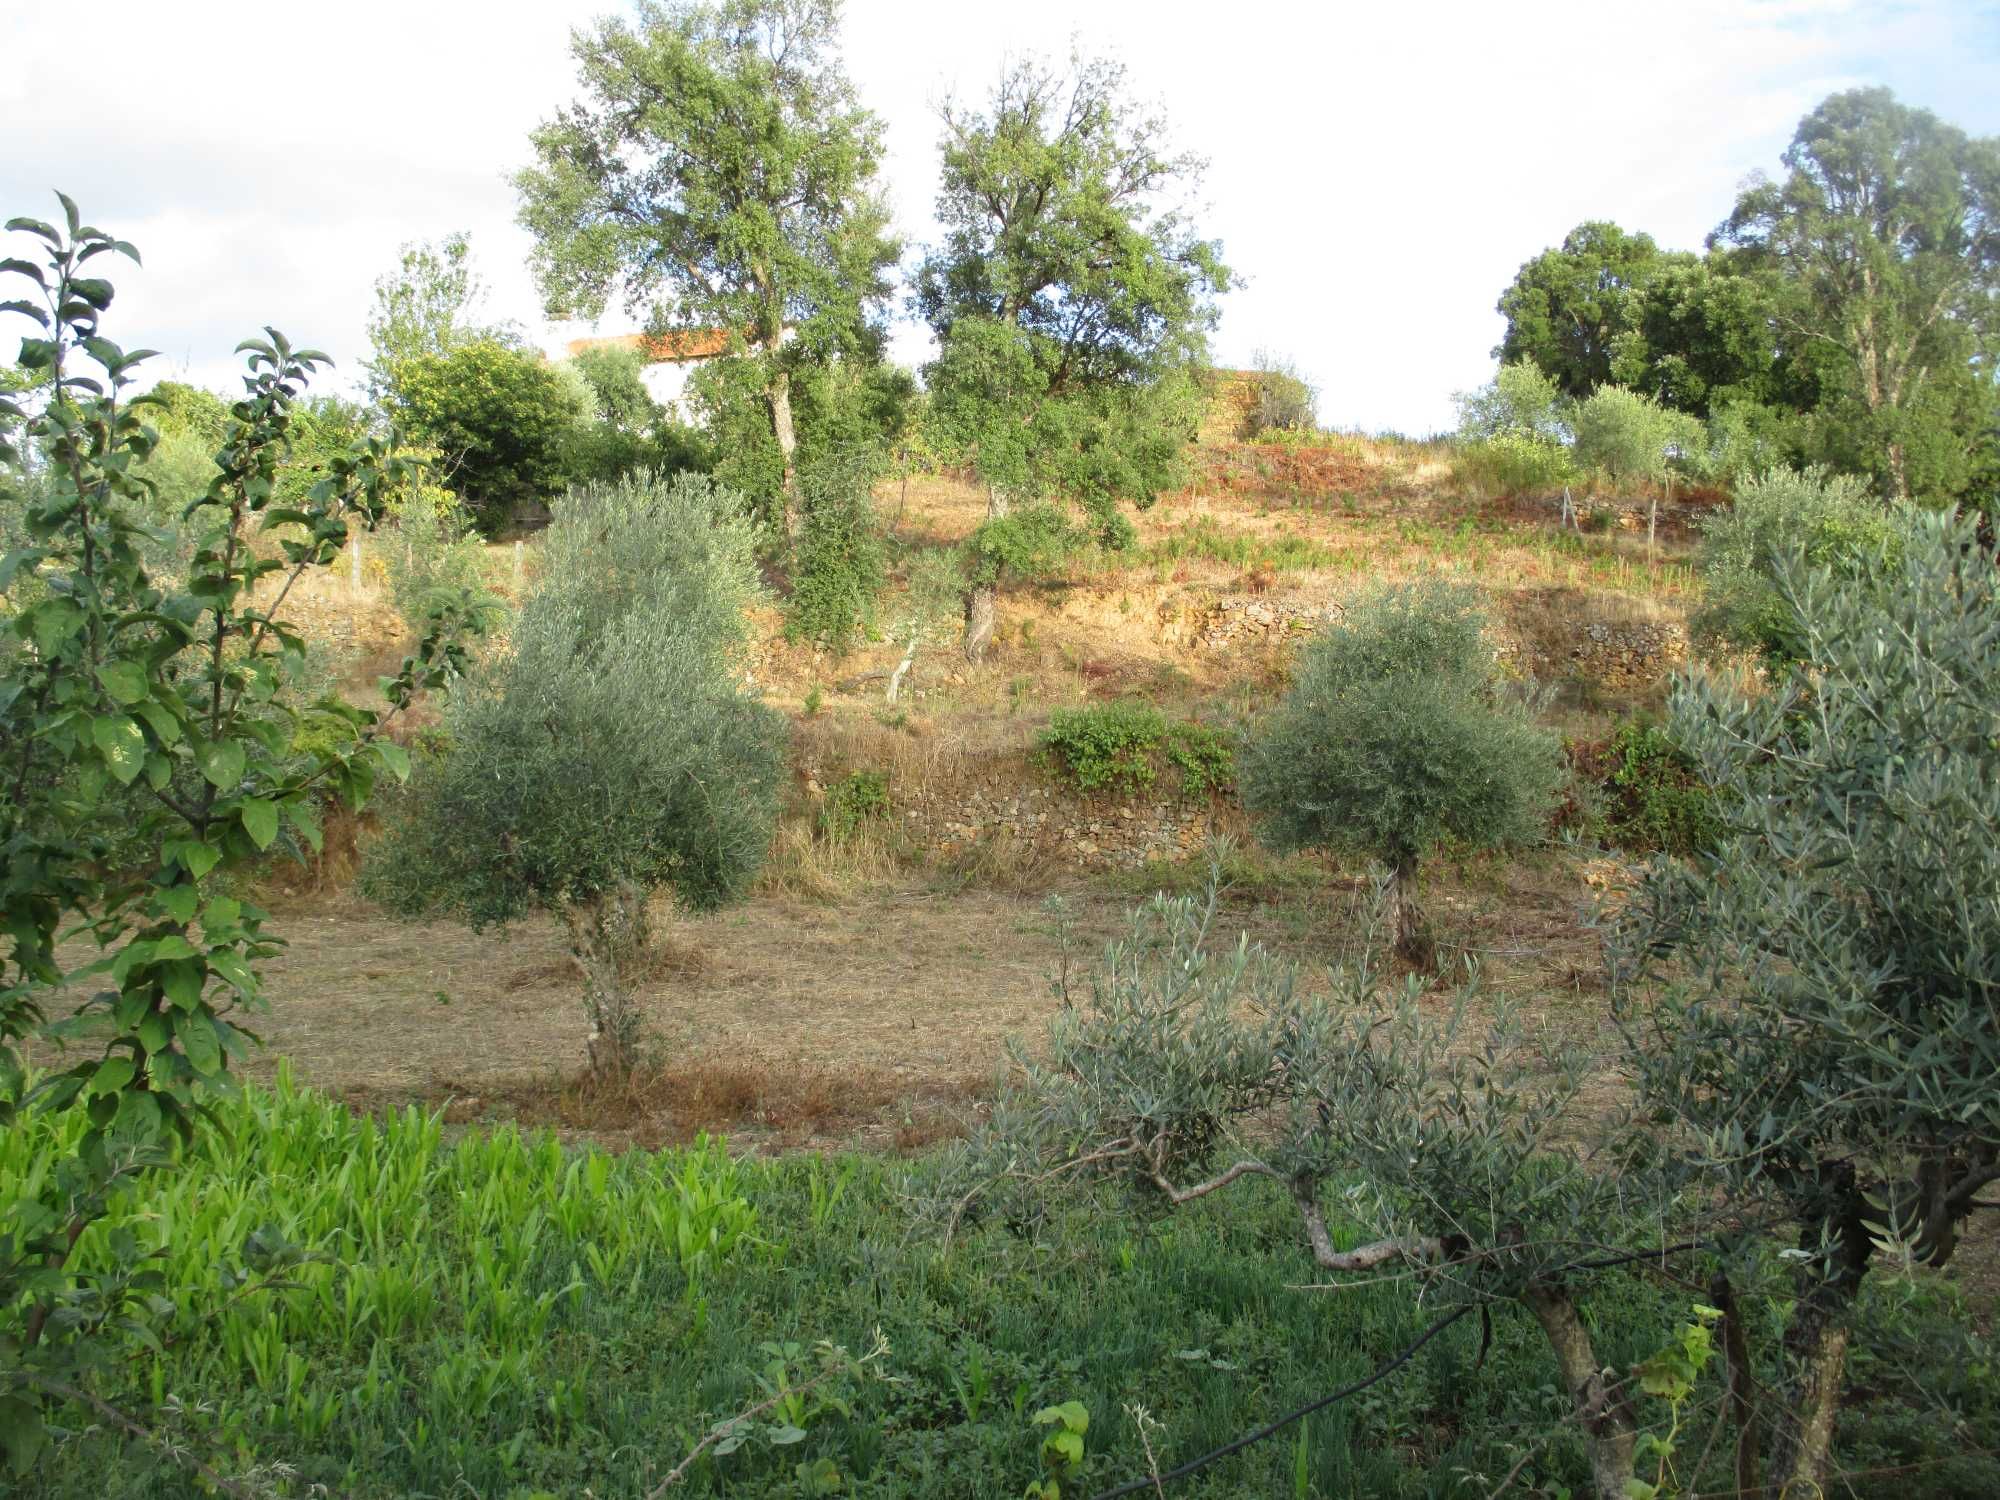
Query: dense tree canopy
point(1568, 307)
point(502, 421)
point(428, 305)
point(1071, 297)
point(718, 171)
point(1883, 239)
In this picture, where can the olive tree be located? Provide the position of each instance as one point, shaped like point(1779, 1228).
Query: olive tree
point(1398, 732)
point(1816, 1014)
point(610, 753)
point(1833, 521)
point(1442, 1151)
point(1634, 439)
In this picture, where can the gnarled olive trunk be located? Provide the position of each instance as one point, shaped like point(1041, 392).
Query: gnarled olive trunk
point(610, 938)
point(1610, 1435)
point(1414, 943)
point(979, 616)
point(1815, 1348)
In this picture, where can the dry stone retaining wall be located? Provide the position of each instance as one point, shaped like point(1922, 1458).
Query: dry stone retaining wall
point(1102, 831)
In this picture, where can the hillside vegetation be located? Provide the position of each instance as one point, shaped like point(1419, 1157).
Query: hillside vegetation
point(1045, 925)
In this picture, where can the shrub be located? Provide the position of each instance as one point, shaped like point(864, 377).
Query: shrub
point(838, 568)
point(857, 799)
point(1398, 732)
point(1633, 438)
point(1830, 521)
point(1745, 439)
point(1120, 746)
point(433, 554)
point(1519, 402)
point(1205, 757)
point(1282, 400)
point(1650, 795)
point(1105, 745)
point(1512, 463)
point(610, 753)
point(502, 420)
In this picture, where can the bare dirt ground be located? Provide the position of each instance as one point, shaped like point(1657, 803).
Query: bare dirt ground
point(882, 1017)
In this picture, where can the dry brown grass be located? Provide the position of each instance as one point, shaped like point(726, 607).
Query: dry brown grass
point(773, 1105)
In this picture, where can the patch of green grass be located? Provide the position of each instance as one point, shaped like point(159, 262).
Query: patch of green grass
point(501, 1316)
point(1202, 540)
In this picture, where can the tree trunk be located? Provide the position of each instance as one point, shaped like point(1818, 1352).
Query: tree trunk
point(1606, 1416)
point(978, 620)
point(780, 393)
point(979, 603)
point(1741, 1385)
point(1816, 1357)
point(1899, 471)
point(610, 937)
point(902, 667)
point(1414, 943)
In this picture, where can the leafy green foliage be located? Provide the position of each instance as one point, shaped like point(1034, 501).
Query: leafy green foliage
point(630, 430)
point(839, 566)
point(1831, 520)
point(1071, 301)
point(1520, 402)
point(1653, 797)
point(1030, 543)
point(492, 1309)
point(1513, 433)
point(719, 173)
point(503, 422)
point(429, 306)
point(113, 681)
point(1882, 245)
point(1513, 464)
point(1633, 438)
point(1568, 306)
point(434, 553)
point(1061, 1451)
point(1120, 747)
point(610, 753)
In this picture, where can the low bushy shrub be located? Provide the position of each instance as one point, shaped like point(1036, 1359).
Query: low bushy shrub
point(1513, 463)
point(1282, 400)
point(857, 799)
point(1639, 790)
point(433, 552)
point(1122, 746)
point(1829, 520)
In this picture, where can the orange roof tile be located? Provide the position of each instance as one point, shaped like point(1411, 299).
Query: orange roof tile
point(662, 348)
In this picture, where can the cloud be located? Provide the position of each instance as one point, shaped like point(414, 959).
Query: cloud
point(1378, 173)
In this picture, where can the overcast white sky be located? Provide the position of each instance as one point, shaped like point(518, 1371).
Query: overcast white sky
point(1377, 172)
